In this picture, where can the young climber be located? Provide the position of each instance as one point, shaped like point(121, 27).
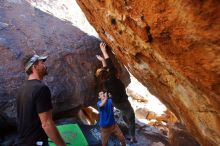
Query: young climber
point(108, 78)
point(107, 121)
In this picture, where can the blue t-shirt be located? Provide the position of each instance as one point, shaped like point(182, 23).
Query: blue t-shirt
point(106, 113)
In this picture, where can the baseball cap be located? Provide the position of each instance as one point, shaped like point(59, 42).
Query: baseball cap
point(33, 59)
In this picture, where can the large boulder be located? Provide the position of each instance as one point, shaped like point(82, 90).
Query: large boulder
point(173, 48)
point(25, 28)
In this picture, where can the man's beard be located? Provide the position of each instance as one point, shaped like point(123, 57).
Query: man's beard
point(43, 72)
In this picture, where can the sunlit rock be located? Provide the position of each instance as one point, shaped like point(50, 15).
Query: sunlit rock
point(171, 47)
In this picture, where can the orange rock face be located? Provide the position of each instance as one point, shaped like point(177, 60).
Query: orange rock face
point(173, 48)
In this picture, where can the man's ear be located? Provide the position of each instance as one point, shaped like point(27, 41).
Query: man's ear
point(34, 66)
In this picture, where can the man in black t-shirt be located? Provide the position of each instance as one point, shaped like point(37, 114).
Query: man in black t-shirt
point(34, 107)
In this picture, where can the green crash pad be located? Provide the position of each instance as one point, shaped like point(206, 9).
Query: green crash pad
point(72, 135)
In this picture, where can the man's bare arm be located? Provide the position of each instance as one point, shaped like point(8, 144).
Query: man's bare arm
point(103, 102)
point(100, 58)
point(50, 128)
point(103, 49)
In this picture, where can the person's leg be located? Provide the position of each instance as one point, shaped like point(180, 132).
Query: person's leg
point(123, 109)
point(117, 132)
point(128, 112)
point(105, 133)
point(131, 118)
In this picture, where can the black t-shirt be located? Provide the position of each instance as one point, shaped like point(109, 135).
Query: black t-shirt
point(33, 97)
point(114, 85)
